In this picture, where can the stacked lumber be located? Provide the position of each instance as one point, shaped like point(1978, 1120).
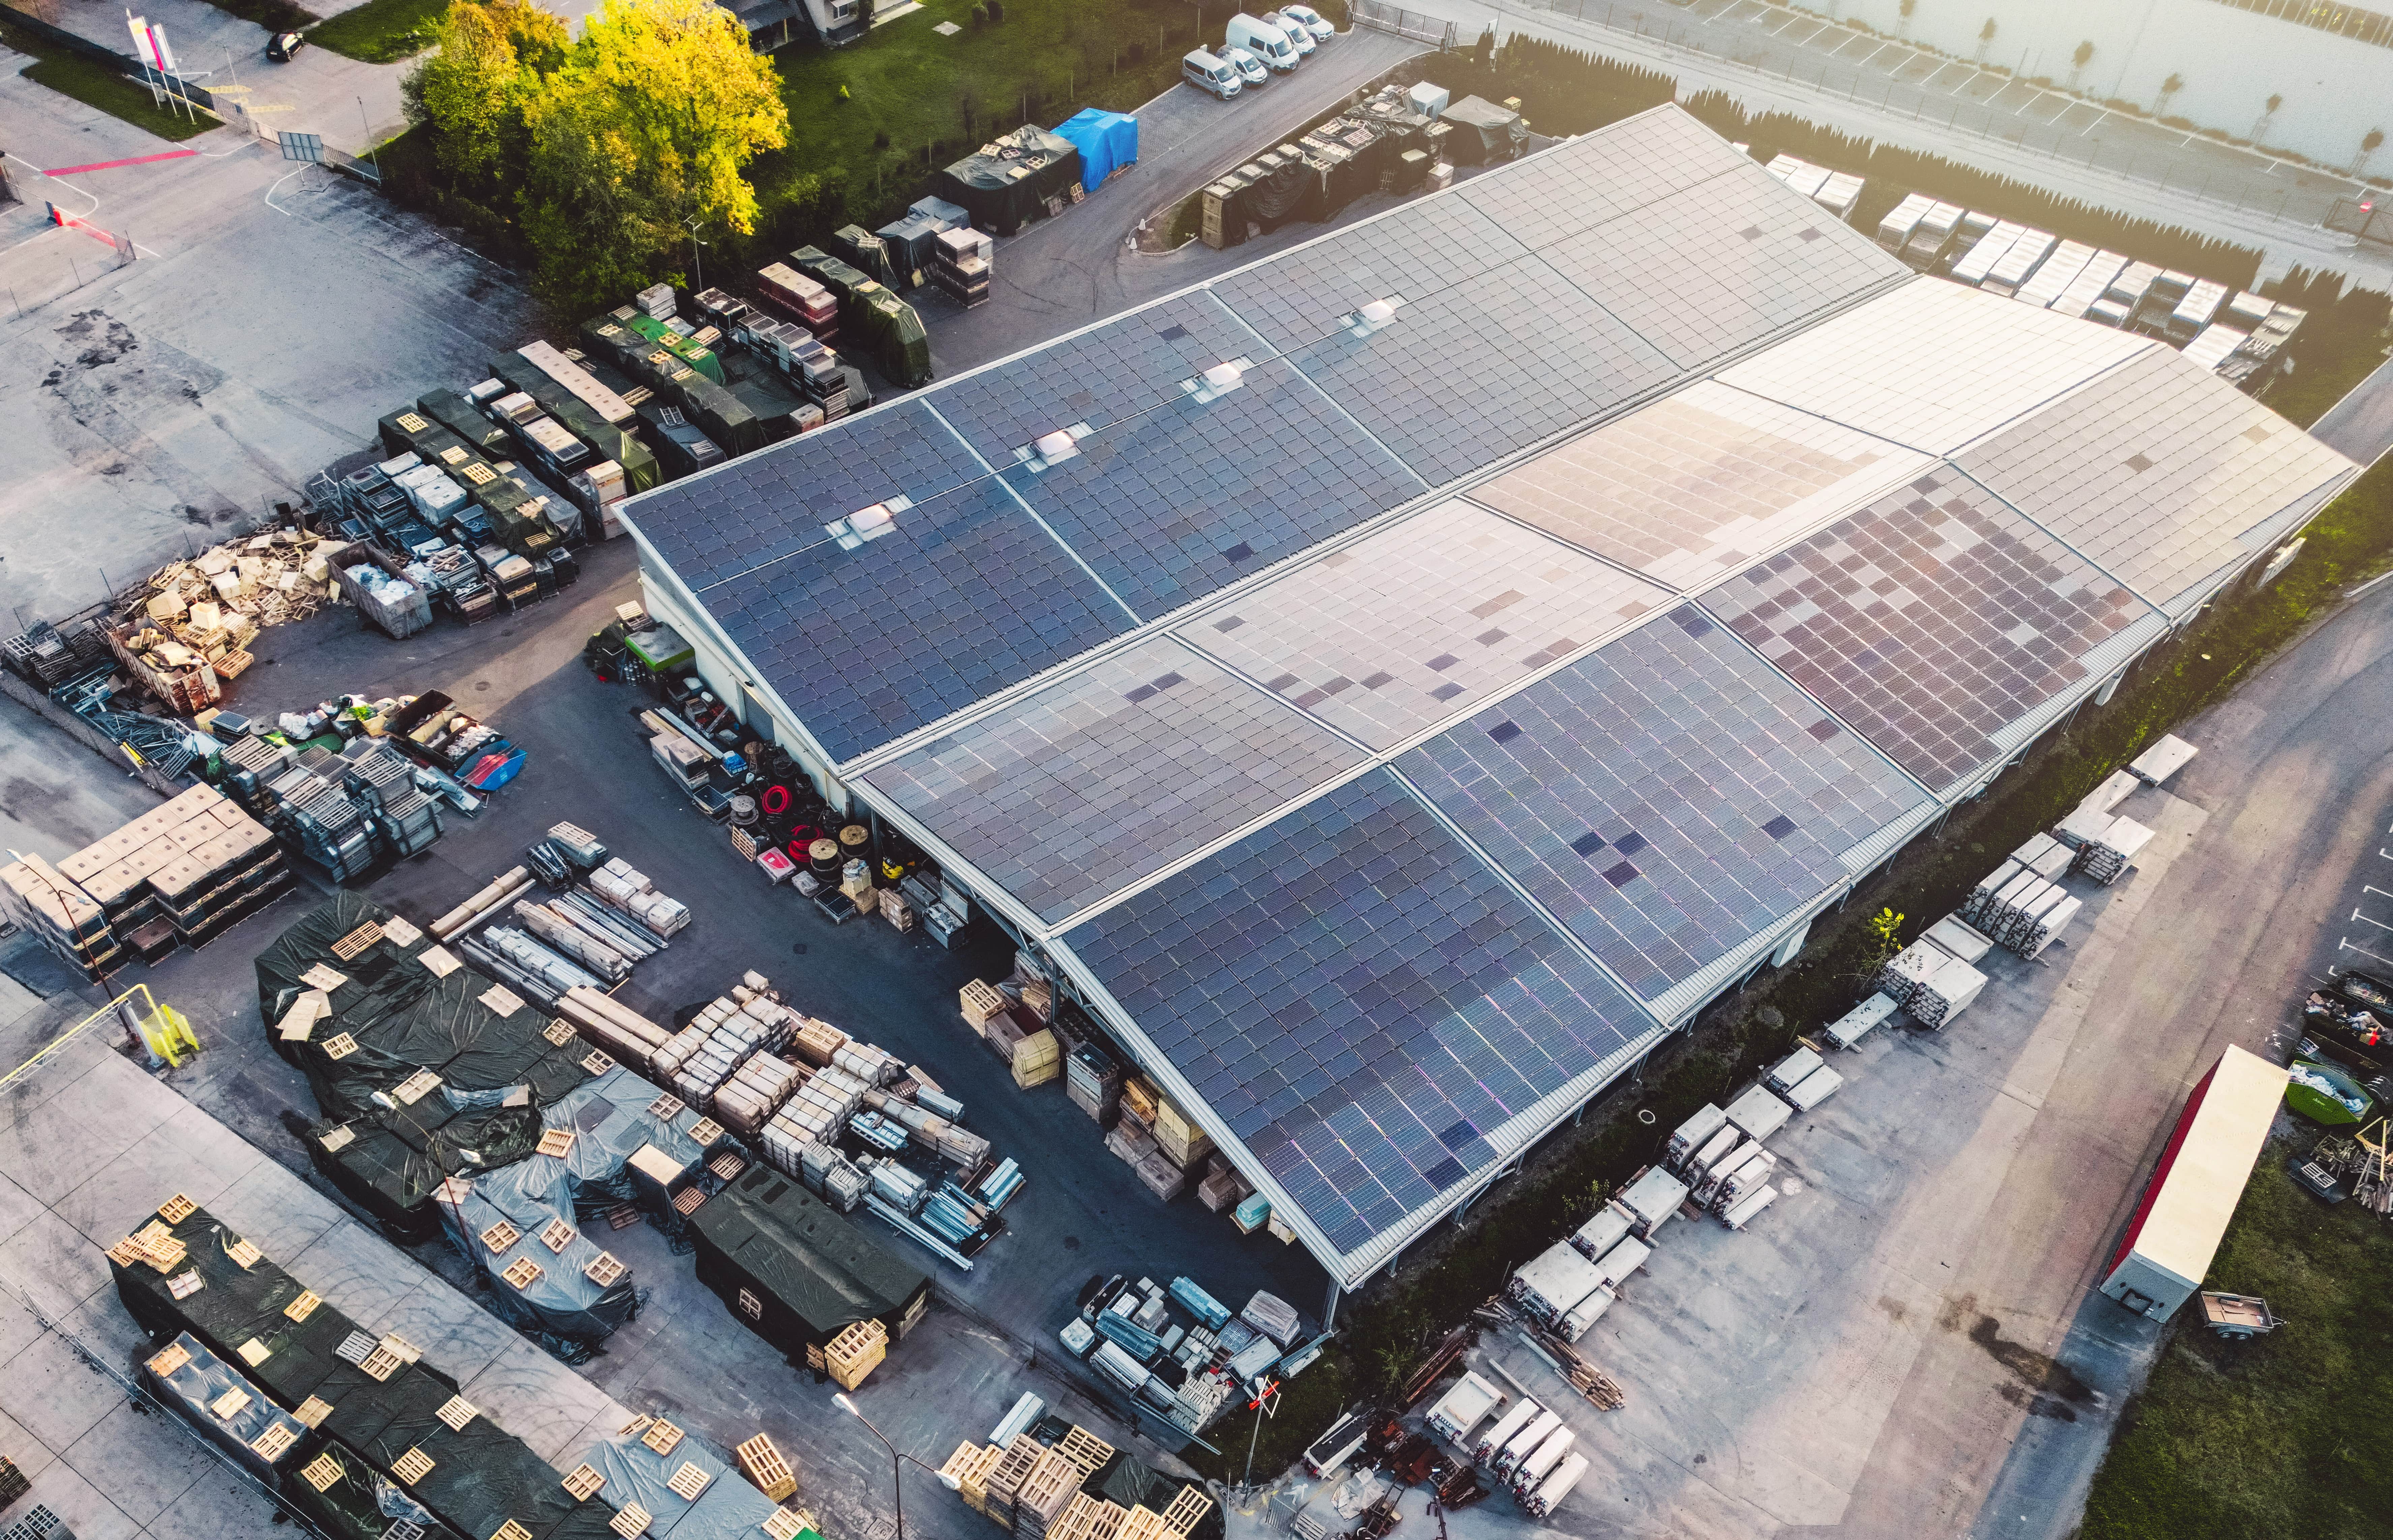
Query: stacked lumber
point(748, 1100)
point(619, 1029)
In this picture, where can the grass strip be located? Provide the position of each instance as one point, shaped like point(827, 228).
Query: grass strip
point(95, 84)
point(380, 32)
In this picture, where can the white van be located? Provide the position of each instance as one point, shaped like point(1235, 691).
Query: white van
point(1298, 32)
point(1207, 73)
point(1266, 40)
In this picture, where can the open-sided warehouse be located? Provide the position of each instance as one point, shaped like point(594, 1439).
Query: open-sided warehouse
point(1573, 583)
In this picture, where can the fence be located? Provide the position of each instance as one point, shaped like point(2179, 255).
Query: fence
point(1412, 25)
point(2362, 217)
point(83, 732)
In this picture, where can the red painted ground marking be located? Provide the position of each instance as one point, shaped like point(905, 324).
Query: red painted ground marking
point(110, 165)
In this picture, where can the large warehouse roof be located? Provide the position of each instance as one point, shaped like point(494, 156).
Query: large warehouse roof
point(1393, 745)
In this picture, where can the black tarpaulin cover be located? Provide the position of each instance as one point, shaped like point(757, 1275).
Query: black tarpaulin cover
point(814, 1272)
point(1129, 1481)
point(1006, 183)
point(379, 979)
point(391, 1161)
point(357, 1502)
point(201, 1388)
point(1482, 131)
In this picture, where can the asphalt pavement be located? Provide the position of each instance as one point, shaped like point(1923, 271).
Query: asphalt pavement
point(1773, 58)
point(2361, 425)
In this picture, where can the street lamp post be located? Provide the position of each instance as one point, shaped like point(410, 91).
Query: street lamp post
point(897, 1461)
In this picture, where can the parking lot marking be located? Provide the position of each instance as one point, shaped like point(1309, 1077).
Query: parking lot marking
point(2343, 945)
point(111, 166)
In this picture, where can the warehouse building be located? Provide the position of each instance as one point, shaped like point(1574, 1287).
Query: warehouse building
point(1397, 683)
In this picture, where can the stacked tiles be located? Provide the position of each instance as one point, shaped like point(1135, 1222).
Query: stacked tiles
point(2018, 904)
point(2104, 844)
point(1931, 983)
point(729, 1029)
point(61, 916)
point(800, 297)
point(182, 872)
point(631, 892)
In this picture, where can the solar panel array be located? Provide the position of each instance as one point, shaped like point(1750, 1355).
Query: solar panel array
point(1697, 485)
point(1173, 503)
point(1112, 773)
point(1667, 798)
point(1931, 620)
point(1397, 631)
point(2158, 475)
point(1380, 835)
point(1360, 1001)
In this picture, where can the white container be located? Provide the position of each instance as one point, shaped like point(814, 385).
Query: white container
point(1788, 1072)
point(1427, 100)
point(1463, 1408)
point(1600, 1233)
point(1862, 1019)
point(1814, 1088)
point(1507, 1428)
point(1541, 1503)
point(1525, 1443)
point(1715, 1150)
point(1586, 1313)
point(1694, 1134)
point(1541, 1460)
point(1741, 1213)
point(1652, 1198)
point(1758, 1112)
point(1622, 1261)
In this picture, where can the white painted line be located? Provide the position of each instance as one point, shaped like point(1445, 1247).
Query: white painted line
point(2365, 921)
point(2364, 588)
point(2343, 945)
point(1879, 49)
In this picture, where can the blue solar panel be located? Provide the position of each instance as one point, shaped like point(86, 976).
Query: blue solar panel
point(1467, 373)
point(964, 596)
point(1100, 376)
point(1360, 1000)
point(1170, 505)
point(765, 507)
point(1412, 253)
point(1666, 797)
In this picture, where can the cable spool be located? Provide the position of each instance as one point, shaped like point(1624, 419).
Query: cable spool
point(822, 859)
point(855, 843)
point(743, 812)
point(774, 801)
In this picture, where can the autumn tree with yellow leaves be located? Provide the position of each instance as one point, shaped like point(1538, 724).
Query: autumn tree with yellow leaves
point(611, 146)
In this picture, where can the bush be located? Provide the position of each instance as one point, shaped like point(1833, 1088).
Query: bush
point(996, 11)
point(980, 14)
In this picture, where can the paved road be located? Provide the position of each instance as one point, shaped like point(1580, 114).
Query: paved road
point(1067, 272)
point(276, 310)
point(2360, 424)
point(1774, 59)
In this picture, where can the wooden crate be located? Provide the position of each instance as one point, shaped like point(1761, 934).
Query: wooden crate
point(1074, 1522)
point(1128, 1142)
point(1181, 1141)
point(1006, 1477)
point(856, 1352)
point(1143, 1523)
point(1036, 1060)
point(976, 1477)
point(1186, 1511)
point(1051, 1483)
point(765, 1470)
point(1221, 1192)
point(981, 1004)
point(1085, 1449)
point(1005, 1034)
point(1139, 1098)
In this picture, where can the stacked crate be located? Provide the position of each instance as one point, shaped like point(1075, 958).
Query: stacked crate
point(61, 916)
point(1094, 1082)
point(1037, 1059)
point(1179, 1140)
point(1222, 1188)
point(1050, 1487)
point(962, 261)
point(981, 1004)
point(856, 1352)
point(746, 1103)
point(1000, 1488)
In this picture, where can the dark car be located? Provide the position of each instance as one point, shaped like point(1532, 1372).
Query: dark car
point(284, 46)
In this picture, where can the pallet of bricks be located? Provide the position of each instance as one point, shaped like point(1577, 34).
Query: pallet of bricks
point(179, 875)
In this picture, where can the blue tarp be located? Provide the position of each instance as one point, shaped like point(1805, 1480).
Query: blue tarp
point(1107, 141)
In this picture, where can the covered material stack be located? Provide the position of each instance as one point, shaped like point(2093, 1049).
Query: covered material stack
point(1107, 143)
point(1484, 133)
point(795, 1272)
point(381, 1413)
point(1012, 179)
point(680, 1485)
point(180, 874)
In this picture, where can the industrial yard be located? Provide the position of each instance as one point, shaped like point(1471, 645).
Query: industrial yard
point(736, 926)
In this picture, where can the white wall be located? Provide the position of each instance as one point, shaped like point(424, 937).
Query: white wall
point(2335, 90)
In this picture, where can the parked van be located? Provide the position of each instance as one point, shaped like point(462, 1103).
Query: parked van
point(1266, 40)
point(1250, 68)
point(1322, 31)
point(1208, 73)
point(1298, 32)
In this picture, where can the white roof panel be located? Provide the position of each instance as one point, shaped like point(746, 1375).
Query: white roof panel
point(1934, 365)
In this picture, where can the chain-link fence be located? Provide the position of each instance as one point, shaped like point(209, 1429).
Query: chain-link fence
point(1395, 20)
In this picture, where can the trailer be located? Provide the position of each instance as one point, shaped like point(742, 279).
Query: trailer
point(1525, 1443)
point(1458, 1411)
point(1549, 1493)
point(2175, 1229)
point(1337, 1446)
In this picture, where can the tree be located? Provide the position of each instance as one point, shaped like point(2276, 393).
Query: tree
point(2078, 60)
point(2169, 89)
point(1985, 38)
point(1903, 27)
point(2369, 143)
point(470, 91)
point(648, 124)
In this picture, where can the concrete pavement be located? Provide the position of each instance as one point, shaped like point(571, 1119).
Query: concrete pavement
point(2361, 425)
point(1775, 59)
